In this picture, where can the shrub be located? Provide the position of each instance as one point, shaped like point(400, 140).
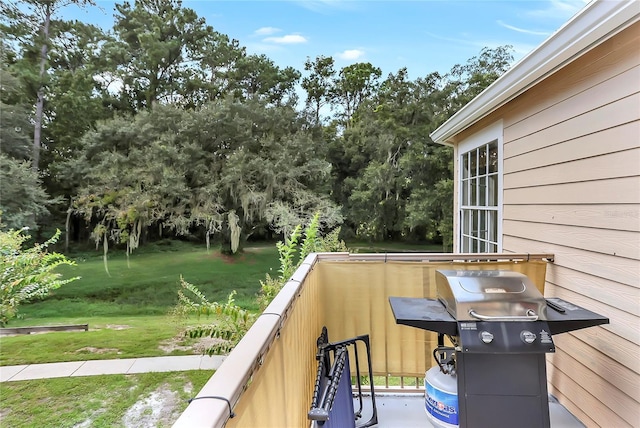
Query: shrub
point(232, 322)
point(26, 274)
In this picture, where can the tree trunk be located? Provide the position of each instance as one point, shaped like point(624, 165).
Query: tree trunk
point(37, 133)
point(67, 225)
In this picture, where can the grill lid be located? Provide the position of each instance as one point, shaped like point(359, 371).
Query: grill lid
point(489, 295)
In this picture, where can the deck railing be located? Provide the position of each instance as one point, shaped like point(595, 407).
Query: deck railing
point(268, 379)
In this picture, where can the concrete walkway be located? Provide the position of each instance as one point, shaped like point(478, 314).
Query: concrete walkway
point(109, 367)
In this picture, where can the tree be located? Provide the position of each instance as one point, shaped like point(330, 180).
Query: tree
point(27, 274)
point(215, 80)
point(466, 81)
point(256, 77)
point(15, 124)
point(160, 54)
point(75, 86)
point(30, 26)
point(319, 84)
point(23, 200)
point(391, 179)
point(355, 83)
point(228, 167)
point(135, 177)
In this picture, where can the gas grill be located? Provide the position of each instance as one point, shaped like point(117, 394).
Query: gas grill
point(501, 327)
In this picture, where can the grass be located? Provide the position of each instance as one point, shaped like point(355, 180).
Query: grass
point(102, 400)
point(148, 284)
point(393, 247)
point(138, 296)
point(107, 338)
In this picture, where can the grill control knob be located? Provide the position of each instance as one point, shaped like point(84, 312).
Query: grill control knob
point(486, 337)
point(527, 336)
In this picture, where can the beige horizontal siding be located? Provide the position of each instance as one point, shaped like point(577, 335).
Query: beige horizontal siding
point(614, 191)
point(612, 165)
point(612, 140)
point(587, 408)
point(622, 377)
point(600, 266)
point(617, 113)
point(571, 187)
point(610, 59)
point(617, 349)
point(577, 410)
point(611, 407)
point(623, 324)
point(601, 241)
point(601, 216)
point(610, 293)
point(608, 93)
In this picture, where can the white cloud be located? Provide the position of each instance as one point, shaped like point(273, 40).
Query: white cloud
point(286, 40)
point(558, 9)
point(266, 31)
point(522, 30)
point(350, 54)
point(323, 6)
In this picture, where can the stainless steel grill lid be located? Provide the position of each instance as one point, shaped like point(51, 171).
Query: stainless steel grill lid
point(489, 295)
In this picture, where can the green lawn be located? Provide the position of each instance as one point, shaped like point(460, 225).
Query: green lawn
point(127, 310)
point(150, 399)
point(127, 313)
point(148, 284)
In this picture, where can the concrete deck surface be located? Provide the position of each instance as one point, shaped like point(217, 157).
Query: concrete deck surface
point(109, 367)
point(408, 411)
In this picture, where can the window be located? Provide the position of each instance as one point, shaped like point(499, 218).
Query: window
point(480, 200)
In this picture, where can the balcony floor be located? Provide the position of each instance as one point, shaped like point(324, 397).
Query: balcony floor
point(407, 411)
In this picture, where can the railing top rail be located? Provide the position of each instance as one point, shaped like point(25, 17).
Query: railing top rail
point(435, 257)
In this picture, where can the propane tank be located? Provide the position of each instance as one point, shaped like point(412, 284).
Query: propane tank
point(441, 394)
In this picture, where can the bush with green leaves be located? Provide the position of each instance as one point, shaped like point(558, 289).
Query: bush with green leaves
point(27, 274)
point(232, 322)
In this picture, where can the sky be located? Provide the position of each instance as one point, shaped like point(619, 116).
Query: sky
point(424, 36)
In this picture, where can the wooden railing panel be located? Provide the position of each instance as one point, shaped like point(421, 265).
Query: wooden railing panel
point(268, 378)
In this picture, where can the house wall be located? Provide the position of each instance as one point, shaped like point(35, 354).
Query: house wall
point(572, 188)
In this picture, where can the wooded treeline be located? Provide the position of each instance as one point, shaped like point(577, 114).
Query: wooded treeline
point(164, 127)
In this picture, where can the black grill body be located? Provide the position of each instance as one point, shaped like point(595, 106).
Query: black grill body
point(501, 327)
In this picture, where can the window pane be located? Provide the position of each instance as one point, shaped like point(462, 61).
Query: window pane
point(465, 165)
point(482, 160)
point(466, 222)
point(474, 192)
point(493, 229)
point(473, 163)
point(473, 223)
point(493, 157)
point(492, 190)
point(465, 192)
point(482, 231)
point(482, 191)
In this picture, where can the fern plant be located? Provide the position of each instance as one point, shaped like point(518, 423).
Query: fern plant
point(231, 321)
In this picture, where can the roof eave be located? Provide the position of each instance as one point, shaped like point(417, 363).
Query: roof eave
point(595, 23)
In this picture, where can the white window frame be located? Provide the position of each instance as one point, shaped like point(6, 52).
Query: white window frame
point(487, 135)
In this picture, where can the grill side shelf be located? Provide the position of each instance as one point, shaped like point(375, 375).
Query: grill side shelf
point(426, 314)
point(571, 317)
